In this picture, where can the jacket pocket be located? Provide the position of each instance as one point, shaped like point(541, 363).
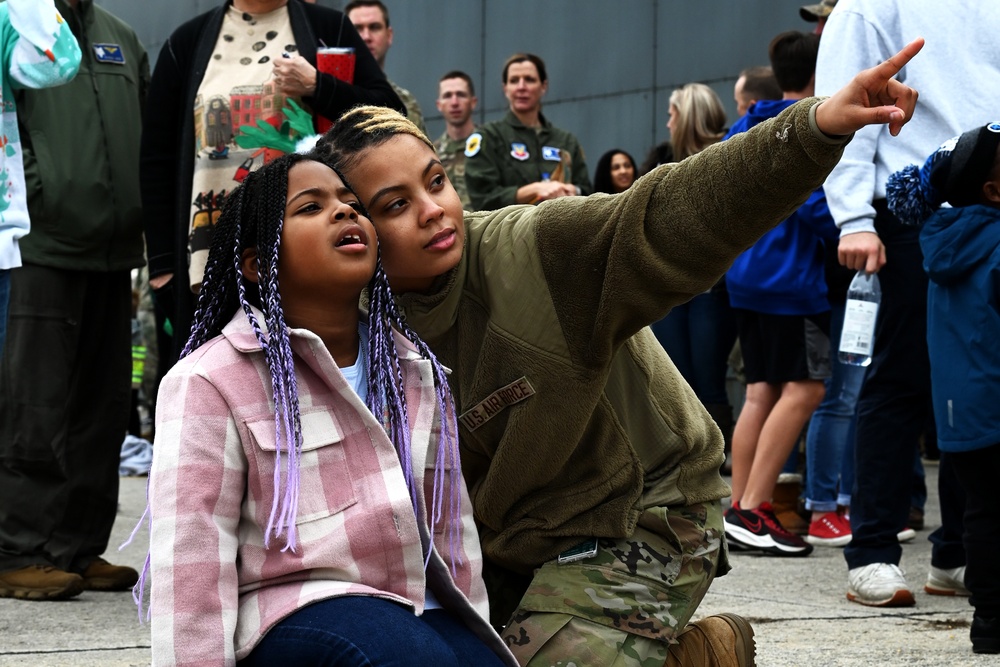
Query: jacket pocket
point(326, 486)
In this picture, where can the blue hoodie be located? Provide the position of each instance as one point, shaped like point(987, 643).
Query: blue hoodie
point(783, 273)
point(961, 249)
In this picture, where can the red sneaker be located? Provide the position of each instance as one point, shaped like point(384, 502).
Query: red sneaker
point(830, 530)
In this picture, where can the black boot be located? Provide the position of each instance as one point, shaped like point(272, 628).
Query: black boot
point(985, 634)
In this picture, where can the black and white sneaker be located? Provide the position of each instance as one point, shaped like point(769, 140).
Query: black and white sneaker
point(759, 530)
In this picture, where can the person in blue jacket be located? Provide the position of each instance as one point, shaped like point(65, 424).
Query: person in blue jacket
point(961, 248)
point(778, 292)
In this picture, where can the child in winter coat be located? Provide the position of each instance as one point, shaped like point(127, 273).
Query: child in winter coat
point(961, 247)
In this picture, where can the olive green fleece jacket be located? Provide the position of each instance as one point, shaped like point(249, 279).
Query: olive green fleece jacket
point(561, 294)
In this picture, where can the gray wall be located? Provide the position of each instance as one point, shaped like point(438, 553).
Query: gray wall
point(612, 65)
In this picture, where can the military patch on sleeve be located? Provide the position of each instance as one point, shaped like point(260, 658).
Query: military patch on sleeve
point(495, 403)
point(109, 53)
point(473, 144)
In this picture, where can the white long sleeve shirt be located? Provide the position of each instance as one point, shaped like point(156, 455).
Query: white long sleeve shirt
point(957, 75)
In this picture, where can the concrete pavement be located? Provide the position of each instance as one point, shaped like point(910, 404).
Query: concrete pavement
point(797, 606)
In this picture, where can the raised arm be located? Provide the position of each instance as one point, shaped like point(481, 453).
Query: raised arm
point(615, 264)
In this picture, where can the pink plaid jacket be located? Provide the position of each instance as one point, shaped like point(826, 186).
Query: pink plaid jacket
point(215, 589)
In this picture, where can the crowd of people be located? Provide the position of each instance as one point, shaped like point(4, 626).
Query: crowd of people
point(463, 388)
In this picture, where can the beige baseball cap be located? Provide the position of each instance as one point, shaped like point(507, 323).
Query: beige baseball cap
point(814, 13)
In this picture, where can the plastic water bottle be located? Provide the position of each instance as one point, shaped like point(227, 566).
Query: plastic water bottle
point(863, 299)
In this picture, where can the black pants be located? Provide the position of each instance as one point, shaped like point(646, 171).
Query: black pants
point(65, 380)
point(978, 471)
point(893, 405)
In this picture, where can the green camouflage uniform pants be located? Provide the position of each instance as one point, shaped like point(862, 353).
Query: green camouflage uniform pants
point(625, 605)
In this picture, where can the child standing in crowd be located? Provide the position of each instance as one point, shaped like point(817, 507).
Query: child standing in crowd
point(594, 468)
point(961, 247)
point(306, 491)
point(37, 50)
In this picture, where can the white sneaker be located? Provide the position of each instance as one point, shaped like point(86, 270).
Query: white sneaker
point(906, 535)
point(946, 582)
point(879, 585)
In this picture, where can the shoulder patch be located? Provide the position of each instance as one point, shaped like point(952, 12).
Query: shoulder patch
point(473, 144)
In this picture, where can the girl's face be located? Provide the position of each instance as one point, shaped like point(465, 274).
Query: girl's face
point(418, 214)
point(622, 172)
point(328, 250)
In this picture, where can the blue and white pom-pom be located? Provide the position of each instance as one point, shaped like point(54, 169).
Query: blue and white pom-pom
point(908, 197)
point(909, 193)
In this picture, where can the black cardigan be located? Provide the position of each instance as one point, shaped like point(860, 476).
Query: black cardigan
point(167, 153)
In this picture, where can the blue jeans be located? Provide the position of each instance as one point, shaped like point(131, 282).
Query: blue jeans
point(698, 336)
point(4, 303)
point(364, 631)
point(830, 438)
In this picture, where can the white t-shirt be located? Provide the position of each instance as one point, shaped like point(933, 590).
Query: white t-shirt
point(357, 374)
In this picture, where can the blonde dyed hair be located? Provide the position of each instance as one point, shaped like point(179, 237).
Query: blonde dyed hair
point(700, 122)
point(361, 128)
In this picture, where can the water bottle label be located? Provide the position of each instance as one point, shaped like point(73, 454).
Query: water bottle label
point(859, 327)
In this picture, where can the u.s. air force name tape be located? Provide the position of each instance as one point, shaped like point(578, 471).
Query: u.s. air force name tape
point(492, 405)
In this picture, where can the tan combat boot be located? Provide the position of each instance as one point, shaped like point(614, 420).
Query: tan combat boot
point(40, 582)
point(725, 640)
point(101, 575)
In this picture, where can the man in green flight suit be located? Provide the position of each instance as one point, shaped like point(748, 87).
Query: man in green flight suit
point(523, 158)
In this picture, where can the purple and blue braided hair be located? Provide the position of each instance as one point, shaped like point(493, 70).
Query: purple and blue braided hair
point(253, 217)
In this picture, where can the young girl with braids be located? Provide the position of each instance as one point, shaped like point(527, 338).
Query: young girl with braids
point(306, 498)
point(593, 468)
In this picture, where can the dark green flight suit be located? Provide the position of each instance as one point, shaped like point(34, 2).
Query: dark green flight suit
point(505, 155)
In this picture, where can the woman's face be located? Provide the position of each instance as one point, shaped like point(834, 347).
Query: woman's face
point(417, 213)
point(328, 251)
point(524, 87)
point(622, 172)
point(672, 121)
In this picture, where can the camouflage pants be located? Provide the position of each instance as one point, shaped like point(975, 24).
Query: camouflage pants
point(624, 606)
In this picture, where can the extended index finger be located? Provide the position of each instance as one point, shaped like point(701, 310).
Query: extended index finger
point(890, 67)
